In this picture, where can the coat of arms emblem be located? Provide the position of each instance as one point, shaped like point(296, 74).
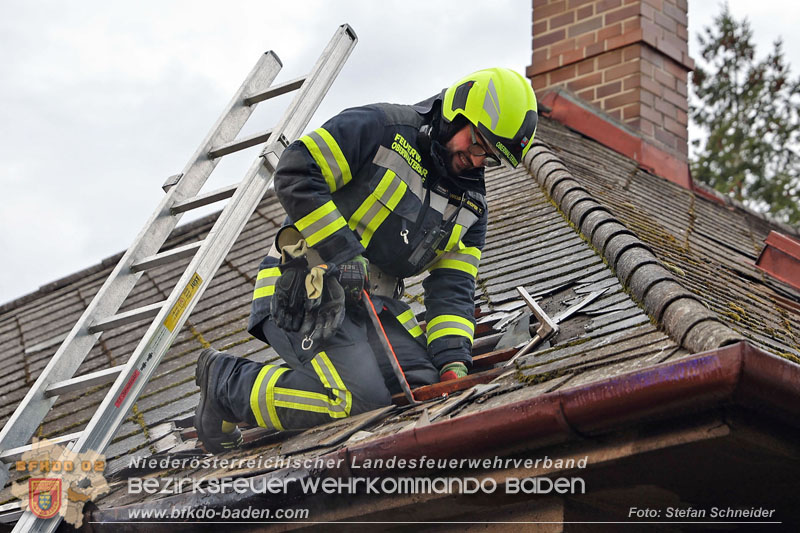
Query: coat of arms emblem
point(44, 496)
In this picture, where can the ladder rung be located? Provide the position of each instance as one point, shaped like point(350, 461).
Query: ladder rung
point(169, 256)
point(277, 90)
point(10, 512)
point(239, 144)
point(12, 516)
point(204, 199)
point(135, 315)
point(14, 453)
point(84, 381)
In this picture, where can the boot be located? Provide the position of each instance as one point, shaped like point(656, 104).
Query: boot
point(216, 434)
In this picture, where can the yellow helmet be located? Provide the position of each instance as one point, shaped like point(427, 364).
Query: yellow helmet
point(501, 104)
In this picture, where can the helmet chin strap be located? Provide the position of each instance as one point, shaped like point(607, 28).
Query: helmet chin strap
point(474, 175)
point(431, 138)
point(443, 160)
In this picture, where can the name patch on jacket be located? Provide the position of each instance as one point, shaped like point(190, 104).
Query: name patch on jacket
point(410, 154)
point(473, 206)
point(453, 198)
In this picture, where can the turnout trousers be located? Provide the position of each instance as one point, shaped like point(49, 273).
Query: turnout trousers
point(346, 375)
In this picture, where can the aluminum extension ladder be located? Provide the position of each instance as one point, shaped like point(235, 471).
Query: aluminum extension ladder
point(169, 316)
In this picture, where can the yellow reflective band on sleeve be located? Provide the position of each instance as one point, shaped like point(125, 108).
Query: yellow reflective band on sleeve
point(313, 149)
point(454, 242)
point(465, 260)
point(262, 397)
point(466, 218)
point(409, 321)
point(450, 325)
point(376, 207)
point(265, 282)
point(329, 157)
point(322, 222)
point(339, 163)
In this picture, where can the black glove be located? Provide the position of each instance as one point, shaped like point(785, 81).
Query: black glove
point(288, 302)
point(354, 278)
point(323, 315)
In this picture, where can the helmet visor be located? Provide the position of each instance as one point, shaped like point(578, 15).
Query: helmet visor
point(480, 149)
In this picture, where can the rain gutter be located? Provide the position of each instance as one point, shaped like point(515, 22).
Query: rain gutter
point(739, 374)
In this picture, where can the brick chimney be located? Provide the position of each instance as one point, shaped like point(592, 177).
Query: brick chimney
point(627, 57)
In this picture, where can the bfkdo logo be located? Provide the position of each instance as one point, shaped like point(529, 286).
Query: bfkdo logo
point(44, 496)
point(55, 482)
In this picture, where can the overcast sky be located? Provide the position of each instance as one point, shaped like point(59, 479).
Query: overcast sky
point(100, 101)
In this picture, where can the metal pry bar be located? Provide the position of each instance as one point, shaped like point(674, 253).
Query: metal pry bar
point(547, 326)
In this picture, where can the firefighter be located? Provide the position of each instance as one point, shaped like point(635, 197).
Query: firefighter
point(377, 194)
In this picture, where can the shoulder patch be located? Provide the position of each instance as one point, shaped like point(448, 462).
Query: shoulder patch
point(476, 203)
point(475, 207)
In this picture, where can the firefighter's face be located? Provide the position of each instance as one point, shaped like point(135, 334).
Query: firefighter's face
point(458, 147)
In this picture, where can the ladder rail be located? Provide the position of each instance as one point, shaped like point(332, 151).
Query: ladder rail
point(79, 341)
point(197, 276)
point(189, 289)
point(308, 98)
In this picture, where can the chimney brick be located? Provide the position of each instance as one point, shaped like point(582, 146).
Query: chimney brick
point(630, 112)
point(621, 14)
point(592, 80)
point(627, 57)
point(608, 89)
point(585, 12)
point(561, 20)
point(585, 26)
point(588, 94)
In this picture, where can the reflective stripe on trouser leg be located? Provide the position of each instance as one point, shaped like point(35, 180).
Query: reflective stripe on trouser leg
point(266, 396)
point(336, 403)
point(409, 322)
point(352, 364)
point(262, 400)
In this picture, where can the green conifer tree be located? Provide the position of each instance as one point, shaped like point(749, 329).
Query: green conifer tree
point(749, 110)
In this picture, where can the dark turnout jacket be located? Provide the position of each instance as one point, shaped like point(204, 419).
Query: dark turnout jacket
point(367, 182)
